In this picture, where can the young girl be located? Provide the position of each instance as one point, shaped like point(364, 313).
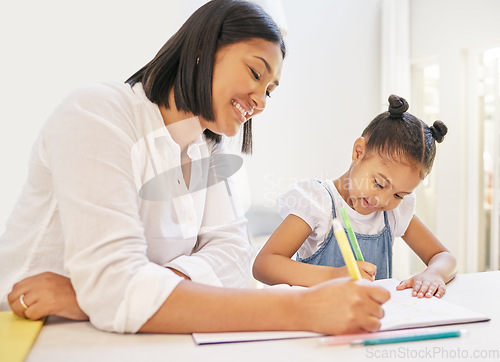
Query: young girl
point(394, 153)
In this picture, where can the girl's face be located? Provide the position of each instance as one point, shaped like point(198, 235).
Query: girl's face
point(375, 183)
point(244, 75)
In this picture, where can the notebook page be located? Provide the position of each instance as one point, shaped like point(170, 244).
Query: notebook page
point(405, 311)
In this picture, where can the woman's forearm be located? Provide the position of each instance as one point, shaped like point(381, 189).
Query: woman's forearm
point(334, 307)
point(193, 307)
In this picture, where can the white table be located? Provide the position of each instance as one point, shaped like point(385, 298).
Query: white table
point(64, 340)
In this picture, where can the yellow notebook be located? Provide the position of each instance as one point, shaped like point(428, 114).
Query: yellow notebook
point(17, 335)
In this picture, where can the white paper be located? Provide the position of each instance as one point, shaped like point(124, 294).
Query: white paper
point(402, 311)
point(405, 311)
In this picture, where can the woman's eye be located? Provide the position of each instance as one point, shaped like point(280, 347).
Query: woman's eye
point(378, 185)
point(398, 197)
point(268, 93)
point(255, 74)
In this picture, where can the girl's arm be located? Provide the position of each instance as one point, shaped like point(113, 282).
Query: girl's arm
point(274, 265)
point(441, 264)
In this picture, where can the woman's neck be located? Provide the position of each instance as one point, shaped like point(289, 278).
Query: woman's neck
point(184, 127)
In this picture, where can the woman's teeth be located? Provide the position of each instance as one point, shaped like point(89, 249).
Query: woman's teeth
point(241, 109)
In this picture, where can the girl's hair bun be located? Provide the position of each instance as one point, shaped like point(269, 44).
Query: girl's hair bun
point(438, 130)
point(397, 106)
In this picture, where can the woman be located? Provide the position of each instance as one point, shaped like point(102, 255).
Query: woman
point(122, 198)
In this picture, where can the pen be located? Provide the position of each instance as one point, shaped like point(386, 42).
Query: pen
point(352, 236)
point(411, 338)
point(345, 249)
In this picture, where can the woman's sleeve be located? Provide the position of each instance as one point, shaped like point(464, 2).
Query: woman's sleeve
point(223, 254)
point(105, 247)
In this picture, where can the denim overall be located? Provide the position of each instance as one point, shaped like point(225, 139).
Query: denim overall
point(376, 249)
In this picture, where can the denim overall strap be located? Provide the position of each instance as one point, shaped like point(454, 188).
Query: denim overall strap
point(376, 249)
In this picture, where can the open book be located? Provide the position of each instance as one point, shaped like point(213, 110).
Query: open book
point(405, 311)
point(402, 311)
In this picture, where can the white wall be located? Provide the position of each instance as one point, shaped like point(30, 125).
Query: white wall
point(445, 30)
point(48, 48)
point(329, 91)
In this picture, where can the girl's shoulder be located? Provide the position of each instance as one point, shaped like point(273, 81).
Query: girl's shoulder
point(307, 193)
point(400, 217)
point(407, 206)
point(309, 200)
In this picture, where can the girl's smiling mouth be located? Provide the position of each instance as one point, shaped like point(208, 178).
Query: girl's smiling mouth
point(368, 206)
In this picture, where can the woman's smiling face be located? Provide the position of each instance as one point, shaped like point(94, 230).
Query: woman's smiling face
point(244, 75)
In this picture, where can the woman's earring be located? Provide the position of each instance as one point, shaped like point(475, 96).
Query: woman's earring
point(197, 60)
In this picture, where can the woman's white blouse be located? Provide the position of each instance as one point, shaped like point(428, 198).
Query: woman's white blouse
point(82, 214)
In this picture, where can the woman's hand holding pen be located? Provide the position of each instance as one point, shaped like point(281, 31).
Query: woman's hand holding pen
point(359, 309)
point(425, 284)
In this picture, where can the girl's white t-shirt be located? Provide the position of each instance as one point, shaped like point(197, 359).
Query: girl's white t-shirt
point(310, 201)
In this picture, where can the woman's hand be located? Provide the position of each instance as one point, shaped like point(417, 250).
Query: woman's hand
point(343, 306)
point(426, 284)
point(45, 294)
point(367, 270)
point(48, 294)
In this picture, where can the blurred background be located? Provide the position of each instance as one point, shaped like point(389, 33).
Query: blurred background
point(344, 59)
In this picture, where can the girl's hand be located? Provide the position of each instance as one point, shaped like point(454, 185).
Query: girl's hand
point(45, 294)
point(425, 284)
point(367, 270)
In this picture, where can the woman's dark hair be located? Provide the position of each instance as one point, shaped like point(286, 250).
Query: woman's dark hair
point(400, 135)
point(185, 63)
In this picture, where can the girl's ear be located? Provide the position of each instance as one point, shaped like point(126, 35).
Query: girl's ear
point(358, 149)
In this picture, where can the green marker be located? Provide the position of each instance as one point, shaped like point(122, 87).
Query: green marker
point(352, 237)
point(413, 338)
